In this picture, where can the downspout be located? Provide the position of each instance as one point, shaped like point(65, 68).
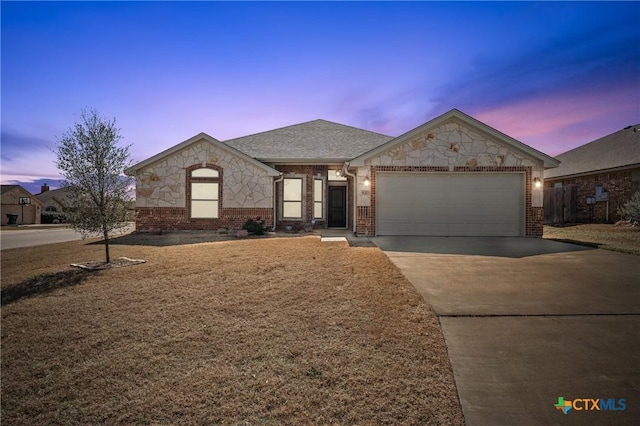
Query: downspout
point(275, 203)
point(345, 171)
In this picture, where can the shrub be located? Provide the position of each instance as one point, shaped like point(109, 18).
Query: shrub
point(631, 209)
point(53, 217)
point(255, 226)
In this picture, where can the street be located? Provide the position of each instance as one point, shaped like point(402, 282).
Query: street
point(28, 236)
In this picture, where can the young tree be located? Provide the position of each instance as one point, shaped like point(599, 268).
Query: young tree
point(93, 167)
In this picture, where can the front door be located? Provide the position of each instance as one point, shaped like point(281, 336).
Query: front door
point(337, 207)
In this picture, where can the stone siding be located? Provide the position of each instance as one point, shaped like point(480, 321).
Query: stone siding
point(451, 147)
point(163, 190)
point(164, 183)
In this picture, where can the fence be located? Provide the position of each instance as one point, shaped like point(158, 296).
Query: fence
point(561, 205)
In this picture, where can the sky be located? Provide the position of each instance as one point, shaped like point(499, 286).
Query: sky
point(553, 75)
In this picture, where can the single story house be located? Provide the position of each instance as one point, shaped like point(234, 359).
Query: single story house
point(19, 203)
point(53, 200)
point(452, 176)
point(595, 179)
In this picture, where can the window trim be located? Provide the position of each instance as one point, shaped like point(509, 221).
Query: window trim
point(323, 197)
point(215, 200)
point(191, 179)
point(300, 201)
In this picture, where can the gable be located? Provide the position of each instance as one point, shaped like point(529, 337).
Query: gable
point(455, 139)
point(200, 139)
point(162, 180)
point(11, 195)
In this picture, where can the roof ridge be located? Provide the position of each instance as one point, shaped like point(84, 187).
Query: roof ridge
point(587, 144)
point(354, 127)
point(303, 123)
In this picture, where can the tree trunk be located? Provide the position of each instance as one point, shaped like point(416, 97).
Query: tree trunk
point(106, 245)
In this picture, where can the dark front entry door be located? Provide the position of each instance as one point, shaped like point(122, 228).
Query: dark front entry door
point(337, 206)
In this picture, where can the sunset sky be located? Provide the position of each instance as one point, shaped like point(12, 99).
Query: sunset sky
point(552, 75)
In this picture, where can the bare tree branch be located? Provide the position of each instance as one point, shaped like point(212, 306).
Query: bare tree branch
point(93, 167)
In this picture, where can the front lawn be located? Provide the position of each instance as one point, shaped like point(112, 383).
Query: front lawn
point(270, 331)
point(620, 237)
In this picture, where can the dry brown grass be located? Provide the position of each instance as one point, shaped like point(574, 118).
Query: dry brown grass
point(619, 237)
point(272, 331)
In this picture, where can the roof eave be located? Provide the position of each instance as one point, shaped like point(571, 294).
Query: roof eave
point(548, 161)
point(297, 161)
point(593, 172)
point(132, 171)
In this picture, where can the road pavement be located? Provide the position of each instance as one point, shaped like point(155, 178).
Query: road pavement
point(29, 236)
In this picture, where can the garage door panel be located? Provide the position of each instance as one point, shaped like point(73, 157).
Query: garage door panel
point(450, 204)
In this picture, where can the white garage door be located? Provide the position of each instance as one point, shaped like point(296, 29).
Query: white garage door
point(450, 204)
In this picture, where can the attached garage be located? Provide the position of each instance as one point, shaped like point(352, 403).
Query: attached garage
point(450, 204)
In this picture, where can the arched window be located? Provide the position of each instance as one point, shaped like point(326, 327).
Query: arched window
point(205, 193)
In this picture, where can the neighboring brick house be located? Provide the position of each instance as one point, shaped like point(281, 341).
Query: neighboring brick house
point(595, 179)
point(18, 201)
point(451, 176)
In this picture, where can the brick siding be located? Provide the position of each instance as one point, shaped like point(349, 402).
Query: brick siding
point(366, 223)
point(621, 185)
point(309, 172)
point(172, 218)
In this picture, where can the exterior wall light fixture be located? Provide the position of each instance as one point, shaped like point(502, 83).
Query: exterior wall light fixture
point(338, 173)
point(366, 181)
point(537, 182)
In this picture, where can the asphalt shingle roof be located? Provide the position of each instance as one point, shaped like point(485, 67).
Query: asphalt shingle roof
point(60, 194)
point(319, 139)
point(5, 188)
point(618, 149)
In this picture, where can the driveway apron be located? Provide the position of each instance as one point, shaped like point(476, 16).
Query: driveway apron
point(528, 321)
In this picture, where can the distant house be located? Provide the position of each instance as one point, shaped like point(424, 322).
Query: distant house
point(451, 176)
point(19, 206)
point(595, 179)
point(53, 200)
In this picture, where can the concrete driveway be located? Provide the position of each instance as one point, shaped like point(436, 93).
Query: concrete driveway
point(528, 321)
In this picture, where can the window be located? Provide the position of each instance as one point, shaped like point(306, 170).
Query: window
point(601, 193)
point(50, 209)
point(292, 198)
point(205, 190)
point(205, 173)
point(318, 198)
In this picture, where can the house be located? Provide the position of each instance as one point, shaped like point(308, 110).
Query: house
point(53, 200)
point(54, 204)
point(19, 206)
point(595, 179)
point(453, 175)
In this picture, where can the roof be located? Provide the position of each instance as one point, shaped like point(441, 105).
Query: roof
point(468, 120)
point(197, 138)
point(59, 195)
point(7, 188)
point(317, 140)
point(614, 151)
